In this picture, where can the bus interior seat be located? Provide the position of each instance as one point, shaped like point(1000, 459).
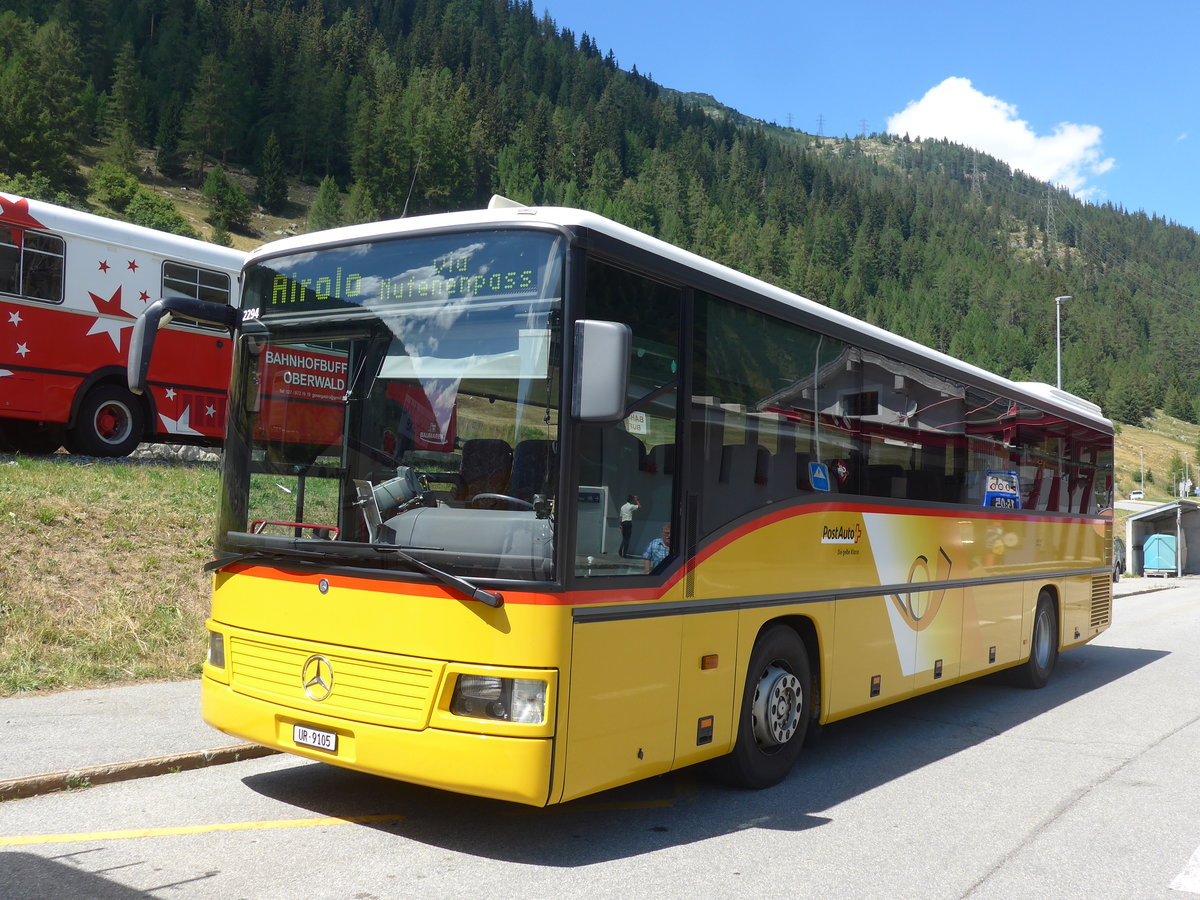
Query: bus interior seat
point(486, 465)
point(745, 469)
point(654, 489)
point(762, 466)
point(800, 481)
point(660, 461)
point(1054, 500)
point(611, 457)
point(926, 485)
point(534, 461)
point(887, 481)
point(1035, 492)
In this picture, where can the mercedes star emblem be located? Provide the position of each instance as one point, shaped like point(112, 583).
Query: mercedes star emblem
point(317, 678)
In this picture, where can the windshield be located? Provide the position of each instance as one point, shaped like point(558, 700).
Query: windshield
point(401, 395)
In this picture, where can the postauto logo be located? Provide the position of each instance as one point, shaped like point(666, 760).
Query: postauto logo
point(841, 534)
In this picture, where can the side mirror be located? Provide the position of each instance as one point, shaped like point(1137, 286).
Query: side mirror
point(160, 313)
point(601, 377)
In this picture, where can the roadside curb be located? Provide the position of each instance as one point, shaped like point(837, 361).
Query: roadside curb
point(1147, 589)
point(35, 785)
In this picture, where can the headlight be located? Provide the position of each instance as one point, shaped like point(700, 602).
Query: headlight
point(216, 650)
point(504, 699)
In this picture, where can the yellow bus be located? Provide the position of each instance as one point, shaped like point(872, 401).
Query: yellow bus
point(437, 426)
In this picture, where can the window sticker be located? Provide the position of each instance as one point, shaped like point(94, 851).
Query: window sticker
point(1002, 491)
point(818, 476)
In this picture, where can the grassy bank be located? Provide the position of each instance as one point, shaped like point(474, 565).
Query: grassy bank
point(100, 579)
point(1152, 446)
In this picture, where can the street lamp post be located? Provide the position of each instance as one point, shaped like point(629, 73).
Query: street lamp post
point(1058, 302)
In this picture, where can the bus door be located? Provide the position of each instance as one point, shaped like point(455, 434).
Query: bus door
point(625, 656)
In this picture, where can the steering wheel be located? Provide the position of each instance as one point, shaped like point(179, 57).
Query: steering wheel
point(503, 498)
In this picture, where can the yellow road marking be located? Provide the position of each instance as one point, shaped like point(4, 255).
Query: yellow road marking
point(83, 837)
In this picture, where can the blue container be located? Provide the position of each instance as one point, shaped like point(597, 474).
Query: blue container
point(1158, 552)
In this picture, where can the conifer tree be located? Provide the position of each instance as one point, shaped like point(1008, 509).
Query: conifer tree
point(271, 193)
point(166, 140)
point(326, 211)
point(360, 207)
point(205, 116)
point(123, 96)
point(230, 207)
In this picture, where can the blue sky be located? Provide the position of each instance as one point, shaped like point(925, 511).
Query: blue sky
point(1099, 97)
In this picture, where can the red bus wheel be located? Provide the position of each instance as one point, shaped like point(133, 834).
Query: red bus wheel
point(110, 423)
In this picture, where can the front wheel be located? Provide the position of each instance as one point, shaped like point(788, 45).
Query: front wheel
point(110, 423)
point(1043, 646)
point(776, 705)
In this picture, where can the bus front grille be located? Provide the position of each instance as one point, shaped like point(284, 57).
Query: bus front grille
point(380, 688)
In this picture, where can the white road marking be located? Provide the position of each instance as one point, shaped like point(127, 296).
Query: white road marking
point(1189, 879)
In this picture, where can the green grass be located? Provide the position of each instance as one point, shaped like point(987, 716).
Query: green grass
point(1152, 445)
point(101, 580)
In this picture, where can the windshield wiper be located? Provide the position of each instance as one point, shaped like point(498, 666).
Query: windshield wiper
point(267, 544)
point(493, 599)
point(228, 559)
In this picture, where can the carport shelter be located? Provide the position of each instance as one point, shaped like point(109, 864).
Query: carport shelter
point(1179, 525)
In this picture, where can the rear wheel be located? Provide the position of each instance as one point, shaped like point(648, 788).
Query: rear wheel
point(775, 710)
point(1043, 646)
point(110, 423)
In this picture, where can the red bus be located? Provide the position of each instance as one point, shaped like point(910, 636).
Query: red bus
point(71, 287)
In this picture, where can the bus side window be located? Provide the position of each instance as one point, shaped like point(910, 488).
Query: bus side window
point(630, 458)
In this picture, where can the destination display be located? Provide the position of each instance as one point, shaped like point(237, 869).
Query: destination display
point(492, 265)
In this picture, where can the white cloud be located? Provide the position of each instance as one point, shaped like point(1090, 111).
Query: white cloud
point(955, 110)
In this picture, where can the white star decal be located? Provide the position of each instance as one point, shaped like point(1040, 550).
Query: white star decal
point(111, 327)
point(4, 373)
point(210, 410)
point(22, 350)
point(170, 393)
point(182, 425)
point(15, 318)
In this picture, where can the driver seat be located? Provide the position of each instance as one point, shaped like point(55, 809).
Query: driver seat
point(486, 466)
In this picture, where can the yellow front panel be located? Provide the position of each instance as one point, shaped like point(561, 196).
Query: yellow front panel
point(421, 621)
point(624, 700)
point(370, 687)
point(504, 768)
point(395, 651)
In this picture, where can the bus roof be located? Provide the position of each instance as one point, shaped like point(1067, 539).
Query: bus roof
point(38, 215)
point(504, 212)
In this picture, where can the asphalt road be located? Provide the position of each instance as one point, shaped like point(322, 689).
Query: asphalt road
point(1087, 788)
